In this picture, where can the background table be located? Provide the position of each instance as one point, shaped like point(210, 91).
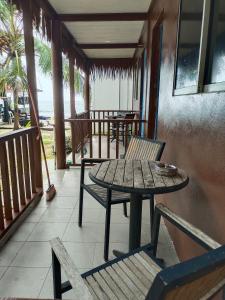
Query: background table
point(138, 178)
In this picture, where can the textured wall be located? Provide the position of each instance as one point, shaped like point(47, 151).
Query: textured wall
point(193, 127)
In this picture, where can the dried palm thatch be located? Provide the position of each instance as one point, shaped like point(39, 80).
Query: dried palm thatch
point(43, 15)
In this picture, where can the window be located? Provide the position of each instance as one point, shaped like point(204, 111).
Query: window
point(216, 44)
point(189, 43)
point(200, 64)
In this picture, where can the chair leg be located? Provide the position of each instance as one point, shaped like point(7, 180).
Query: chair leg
point(56, 270)
point(125, 210)
point(81, 206)
point(152, 211)
point(107, 226)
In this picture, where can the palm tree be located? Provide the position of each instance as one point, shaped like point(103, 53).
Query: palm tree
point(43, 51)
point(12, 73)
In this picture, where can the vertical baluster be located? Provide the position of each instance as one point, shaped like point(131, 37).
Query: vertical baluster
point(82, 139)
point(14, 186)
point(135, 128)
point(2, 225)
point(5, 182)
point(126, 136)
point(31, 138)
point(94, 125)
point(99, 140)
point(108, 139)
point(103, 123)
point(91, 142)
point(26, 166)
point(117, 139)
point(20, 171)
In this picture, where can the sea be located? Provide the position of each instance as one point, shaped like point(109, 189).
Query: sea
point(45, 97)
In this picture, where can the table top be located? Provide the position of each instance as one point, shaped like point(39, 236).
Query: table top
point(136, 176)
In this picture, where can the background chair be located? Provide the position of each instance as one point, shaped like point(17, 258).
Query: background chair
point(138, 275)
point(122, 128)
point(139, 148)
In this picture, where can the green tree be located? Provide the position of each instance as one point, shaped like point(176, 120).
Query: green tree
point(12, 73)
point(43, 51)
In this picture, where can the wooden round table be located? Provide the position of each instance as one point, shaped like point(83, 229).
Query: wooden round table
point(137, 177)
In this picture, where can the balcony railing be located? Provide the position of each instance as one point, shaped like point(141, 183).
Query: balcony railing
point(100, 134)
point(18, 188)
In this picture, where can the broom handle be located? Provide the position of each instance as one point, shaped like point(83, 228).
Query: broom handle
point(40, 135)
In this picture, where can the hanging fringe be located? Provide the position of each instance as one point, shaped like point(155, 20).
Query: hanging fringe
point(112, 68)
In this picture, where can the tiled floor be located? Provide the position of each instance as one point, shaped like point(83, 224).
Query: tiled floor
point(25, 262)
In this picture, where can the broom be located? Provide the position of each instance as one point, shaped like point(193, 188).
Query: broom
point(51, 191)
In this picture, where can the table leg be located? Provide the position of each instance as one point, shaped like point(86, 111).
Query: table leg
point(135, 224)
point(135, 221)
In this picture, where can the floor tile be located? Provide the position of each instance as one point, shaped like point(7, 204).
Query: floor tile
point(9, 252)
point(63, 202)
point(2, 271)
point(89, 233)
point(99, 250)
point(23, 232)
point(81, 253)
point(22, 282)
point(36, 214)
point(33, 254)
point(90, 215)
point(47, 231)
point(58, 215)
point(47, 288)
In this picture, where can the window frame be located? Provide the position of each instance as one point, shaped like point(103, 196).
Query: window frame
point(200, 87)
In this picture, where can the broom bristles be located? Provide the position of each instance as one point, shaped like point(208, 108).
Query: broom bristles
point(50, 193)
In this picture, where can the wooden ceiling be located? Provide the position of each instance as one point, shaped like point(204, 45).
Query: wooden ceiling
point(104, 29)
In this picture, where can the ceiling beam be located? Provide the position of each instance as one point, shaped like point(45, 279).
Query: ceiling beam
point(111, 46)
point(103, 17)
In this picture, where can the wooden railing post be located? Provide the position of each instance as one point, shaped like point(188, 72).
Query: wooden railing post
point(58, 95)
point(31, 78)
point(72, 104)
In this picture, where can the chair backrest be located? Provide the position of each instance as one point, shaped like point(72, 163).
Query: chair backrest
point(145, 149)
point(198, 278)
point(129, 116)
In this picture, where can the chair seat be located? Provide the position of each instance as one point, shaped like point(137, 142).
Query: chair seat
point(129, 278)
point(100, 194)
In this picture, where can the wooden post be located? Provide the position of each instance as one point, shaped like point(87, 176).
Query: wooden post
point(31, 78)
point(58, 95)
point(87, 92)
point(72, 104)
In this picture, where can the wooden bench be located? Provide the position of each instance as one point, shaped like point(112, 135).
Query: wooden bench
point(139, 148)
point(138, 275)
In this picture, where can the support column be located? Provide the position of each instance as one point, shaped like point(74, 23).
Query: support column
point(31, 78)
point(72, 103)
point(87, 92)
point(58, 95)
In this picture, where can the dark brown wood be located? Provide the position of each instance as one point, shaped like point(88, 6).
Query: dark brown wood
point(72, 103)
point(13, 176)
point(111, 46)
point(87, 92)
point(108, 140)
point(58, 95)
point(5, 182)
point(103, 17)
point(99, 139)
point(117, 139)
point(2, 223)
point(19, 160)
point(32, 82)
point(31, 143)
point(26, 167)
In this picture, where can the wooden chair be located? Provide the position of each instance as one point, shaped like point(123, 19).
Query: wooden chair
point(138, 275)
point(138, 148)
point(122, 129)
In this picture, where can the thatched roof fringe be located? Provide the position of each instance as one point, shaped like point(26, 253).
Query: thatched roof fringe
point(43, 21)
point(112, 68)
